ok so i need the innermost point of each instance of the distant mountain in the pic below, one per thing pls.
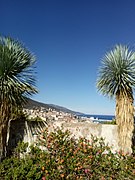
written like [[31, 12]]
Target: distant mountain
[[63, 109], [32, 103]]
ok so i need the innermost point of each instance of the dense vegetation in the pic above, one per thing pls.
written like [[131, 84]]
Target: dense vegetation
[[67, 158]]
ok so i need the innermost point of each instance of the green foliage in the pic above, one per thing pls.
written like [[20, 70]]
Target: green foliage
[[18, 114], [20, 149], [113, 122], [117, 72], [68, 158], [17, 76], [35, 119]]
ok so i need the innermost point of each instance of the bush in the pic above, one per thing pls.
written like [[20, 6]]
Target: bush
[[36, 119], [113, 122], [68, 158]]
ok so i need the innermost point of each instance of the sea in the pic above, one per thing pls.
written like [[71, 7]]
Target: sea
[[99, 118]]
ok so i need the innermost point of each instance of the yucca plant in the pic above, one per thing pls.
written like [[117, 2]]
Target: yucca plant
[[116, 78], [17, 81]]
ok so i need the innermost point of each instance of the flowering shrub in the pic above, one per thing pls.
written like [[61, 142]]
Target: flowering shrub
[[68, 158]]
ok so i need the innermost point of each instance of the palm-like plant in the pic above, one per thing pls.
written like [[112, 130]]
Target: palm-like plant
[[117, 79], [17, 81]]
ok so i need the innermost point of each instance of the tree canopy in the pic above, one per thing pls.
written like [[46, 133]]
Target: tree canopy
[[117, 72]]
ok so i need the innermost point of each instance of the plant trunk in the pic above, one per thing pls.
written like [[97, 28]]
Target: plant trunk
[[125, 121], [3, 139], [4, 119]]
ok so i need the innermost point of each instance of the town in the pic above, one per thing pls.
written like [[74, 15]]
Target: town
[[49, 114]]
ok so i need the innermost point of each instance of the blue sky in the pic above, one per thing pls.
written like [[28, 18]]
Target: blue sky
[[69, 39]]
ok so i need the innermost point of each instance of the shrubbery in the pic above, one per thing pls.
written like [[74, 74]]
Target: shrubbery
[[35, 119], [113, 122], [67, 158]]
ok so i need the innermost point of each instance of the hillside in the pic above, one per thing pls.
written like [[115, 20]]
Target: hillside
[[32, 103]]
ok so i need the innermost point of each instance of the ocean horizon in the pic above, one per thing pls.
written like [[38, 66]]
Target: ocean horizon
[[99, 117]]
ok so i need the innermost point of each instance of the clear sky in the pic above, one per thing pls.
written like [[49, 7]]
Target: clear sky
[[69, 39]]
